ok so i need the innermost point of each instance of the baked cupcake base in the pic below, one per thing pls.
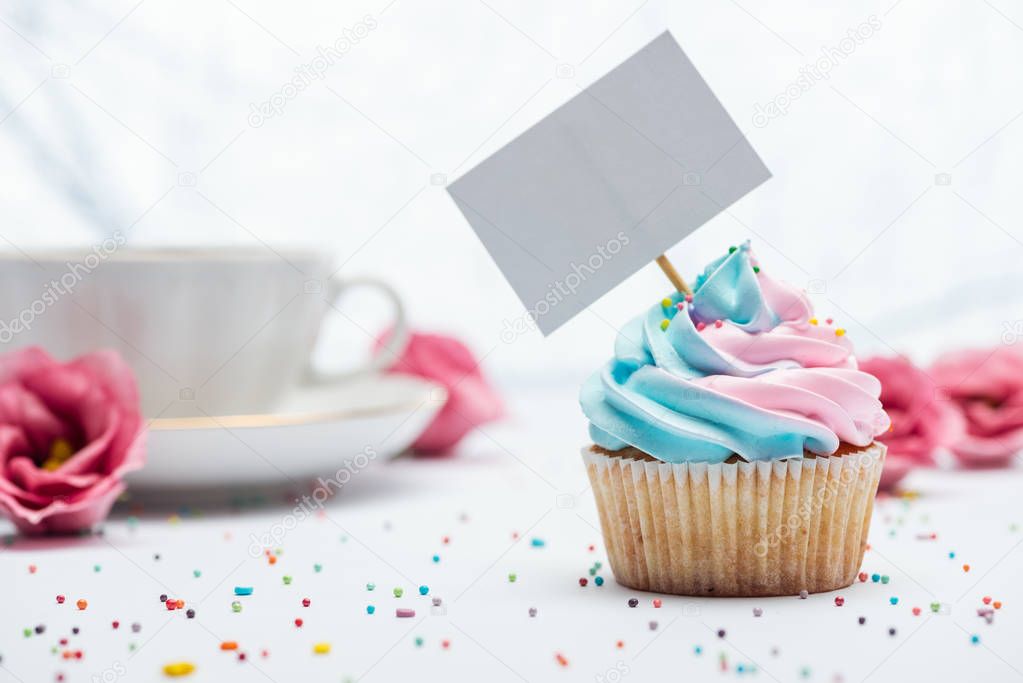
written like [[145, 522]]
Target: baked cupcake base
[[738, 528]]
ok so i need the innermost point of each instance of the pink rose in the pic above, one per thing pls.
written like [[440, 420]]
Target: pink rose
[[987, 385], [68, 433], [922, 418], [471, 400]]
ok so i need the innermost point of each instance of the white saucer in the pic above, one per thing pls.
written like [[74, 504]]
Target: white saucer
[[316, 432]]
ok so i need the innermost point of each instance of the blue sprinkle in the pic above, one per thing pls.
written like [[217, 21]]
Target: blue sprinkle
[[370, 609], [875, 577], [243, 590], [423, 590], [538, 543], [951, 554], [894, 600], [599, 580], [436, 558], [975, 639]]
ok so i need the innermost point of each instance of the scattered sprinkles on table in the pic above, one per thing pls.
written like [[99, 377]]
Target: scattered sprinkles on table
[[872, 590]]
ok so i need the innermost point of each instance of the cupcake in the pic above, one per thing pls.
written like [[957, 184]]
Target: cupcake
[[733, 442]]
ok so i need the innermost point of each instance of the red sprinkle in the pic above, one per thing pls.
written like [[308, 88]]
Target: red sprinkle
[[718, 323], [305, 602], [657, 602], [299, 622], [60, 599], [700, 327], [561, 659], [862, 577], [986, 599], [916, 611], [583, 581], [116, 624], [445, 643], [839, 601]]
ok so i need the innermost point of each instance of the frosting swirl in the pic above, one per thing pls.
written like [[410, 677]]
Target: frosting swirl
[[741, 367]]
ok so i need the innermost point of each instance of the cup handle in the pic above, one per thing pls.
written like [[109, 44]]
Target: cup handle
[[392, 348]]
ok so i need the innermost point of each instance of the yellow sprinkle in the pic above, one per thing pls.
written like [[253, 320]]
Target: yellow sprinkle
[[664, 324], [179, 668], [813, 321], [666, 302], [60, 452], [839, 332], [321, 648]]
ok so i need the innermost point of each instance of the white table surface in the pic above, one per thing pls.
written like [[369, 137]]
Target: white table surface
[[523, 476]]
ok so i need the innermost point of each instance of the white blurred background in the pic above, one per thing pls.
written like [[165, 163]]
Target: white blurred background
[[896, 178]]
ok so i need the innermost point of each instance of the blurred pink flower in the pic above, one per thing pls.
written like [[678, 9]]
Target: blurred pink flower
[[987, 385], [471, 400], [922, 418], [68, 433]]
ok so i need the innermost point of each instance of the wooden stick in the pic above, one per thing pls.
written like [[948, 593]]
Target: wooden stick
[[673, 275]]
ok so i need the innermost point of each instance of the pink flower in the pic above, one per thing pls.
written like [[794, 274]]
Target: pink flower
[[922, 418], [471, 400], [68, 433], [987, 385]]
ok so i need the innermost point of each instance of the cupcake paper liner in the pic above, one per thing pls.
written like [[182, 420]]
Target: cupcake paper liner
[[740, 529]]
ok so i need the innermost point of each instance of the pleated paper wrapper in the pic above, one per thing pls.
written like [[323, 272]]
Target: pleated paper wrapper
[[740, 529]]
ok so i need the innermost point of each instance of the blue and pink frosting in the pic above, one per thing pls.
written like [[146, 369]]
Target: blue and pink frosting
[[740, 367]]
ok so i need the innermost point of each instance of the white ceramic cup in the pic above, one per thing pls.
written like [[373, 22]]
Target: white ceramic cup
[[208, 331]]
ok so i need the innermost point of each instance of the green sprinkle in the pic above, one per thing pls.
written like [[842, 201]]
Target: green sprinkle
[[286, 579], [236, 606], [398, 592], [756, 269], [884, 578], [731, 250], [371, 586], [96, 568], [196, 573], [512, 577], [317, 568], [664, 324], [419, 641]]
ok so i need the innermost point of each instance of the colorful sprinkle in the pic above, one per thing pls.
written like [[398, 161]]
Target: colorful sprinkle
[[321, 648], [178, 669], [243, 590], [404, 612]]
